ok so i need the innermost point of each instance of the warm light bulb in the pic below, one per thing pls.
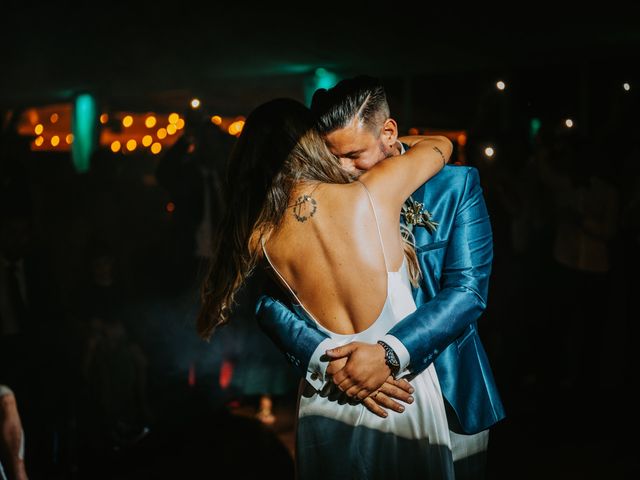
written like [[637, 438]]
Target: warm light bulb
[[500, 85], [127, 121], [150, 121], [489, 152]]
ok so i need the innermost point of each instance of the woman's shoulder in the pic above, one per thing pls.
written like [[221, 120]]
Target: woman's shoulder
[[339, 192]]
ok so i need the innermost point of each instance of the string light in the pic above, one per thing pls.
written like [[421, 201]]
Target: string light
[[176, 123], [156, 148]]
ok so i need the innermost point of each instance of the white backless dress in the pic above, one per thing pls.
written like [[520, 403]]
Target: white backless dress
[[337, 438]]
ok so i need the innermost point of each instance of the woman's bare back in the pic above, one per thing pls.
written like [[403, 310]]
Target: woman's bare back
[[329, 253]]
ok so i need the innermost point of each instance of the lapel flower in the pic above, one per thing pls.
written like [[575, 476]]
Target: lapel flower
[[414, 214]]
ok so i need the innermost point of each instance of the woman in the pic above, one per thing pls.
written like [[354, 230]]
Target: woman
[[294, 211]]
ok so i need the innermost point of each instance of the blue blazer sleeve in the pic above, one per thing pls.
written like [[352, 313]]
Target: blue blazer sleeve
[[293, 336], [462, 290]]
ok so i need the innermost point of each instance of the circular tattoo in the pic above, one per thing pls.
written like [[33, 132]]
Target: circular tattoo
[[304, 208]]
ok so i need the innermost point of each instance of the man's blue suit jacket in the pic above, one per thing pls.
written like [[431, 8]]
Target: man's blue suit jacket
[[456, 264]]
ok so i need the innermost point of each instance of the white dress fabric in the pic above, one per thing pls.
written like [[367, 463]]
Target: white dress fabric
[[339, 439]]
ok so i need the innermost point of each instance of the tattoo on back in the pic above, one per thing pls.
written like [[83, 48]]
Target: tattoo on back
[[304, 208], [444, 160]]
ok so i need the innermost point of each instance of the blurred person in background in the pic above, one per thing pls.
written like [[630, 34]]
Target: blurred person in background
[[12, 466], [586, 213], [190, 172], [31, 327]]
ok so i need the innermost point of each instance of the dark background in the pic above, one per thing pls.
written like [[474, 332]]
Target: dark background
[[440, 67]]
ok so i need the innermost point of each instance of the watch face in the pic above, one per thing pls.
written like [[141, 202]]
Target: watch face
[[392, 361], [390, 356]]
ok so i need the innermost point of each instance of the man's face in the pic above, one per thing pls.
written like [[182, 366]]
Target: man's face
[[358, 148]]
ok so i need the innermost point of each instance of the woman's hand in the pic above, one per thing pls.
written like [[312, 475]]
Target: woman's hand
[[386, 397]]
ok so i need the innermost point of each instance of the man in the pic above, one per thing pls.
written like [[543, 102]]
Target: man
[[453, 241]]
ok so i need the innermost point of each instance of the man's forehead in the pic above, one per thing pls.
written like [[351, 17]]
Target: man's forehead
[[349, 139]]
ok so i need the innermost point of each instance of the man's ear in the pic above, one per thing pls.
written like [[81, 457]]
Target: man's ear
[[389, 133]]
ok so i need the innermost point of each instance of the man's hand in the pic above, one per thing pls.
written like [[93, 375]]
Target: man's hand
[[365, 370], [386, 396], [335, 366]]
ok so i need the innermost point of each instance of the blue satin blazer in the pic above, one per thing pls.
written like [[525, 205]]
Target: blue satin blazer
[[456, 264]]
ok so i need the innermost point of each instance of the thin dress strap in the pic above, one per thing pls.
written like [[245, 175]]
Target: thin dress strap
[[273, 267], [373, 206]]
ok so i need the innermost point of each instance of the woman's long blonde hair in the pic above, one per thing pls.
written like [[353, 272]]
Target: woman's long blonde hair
[[278, 148]]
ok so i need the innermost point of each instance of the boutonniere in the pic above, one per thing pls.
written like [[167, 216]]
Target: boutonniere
[[414, 214]]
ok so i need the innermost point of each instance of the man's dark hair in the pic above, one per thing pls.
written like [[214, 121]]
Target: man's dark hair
[[362, 96]]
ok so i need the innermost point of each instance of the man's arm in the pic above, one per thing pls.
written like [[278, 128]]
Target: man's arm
[[465, 284], [463, 296], [11, 437], [303, 345]]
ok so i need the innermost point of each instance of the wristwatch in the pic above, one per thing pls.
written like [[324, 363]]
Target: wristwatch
[[390, 358]]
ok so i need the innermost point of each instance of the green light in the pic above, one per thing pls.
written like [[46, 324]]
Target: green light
[[534, 127], [321, 78], [84, 124]]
